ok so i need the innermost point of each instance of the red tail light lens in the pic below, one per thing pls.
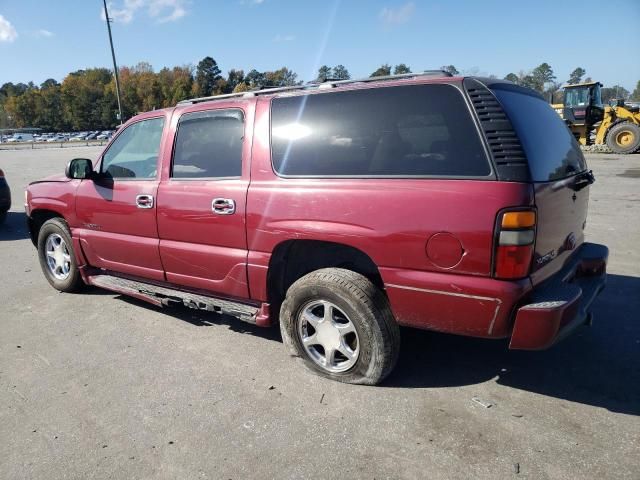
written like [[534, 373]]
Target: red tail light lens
[[1, 173], [513, 261], [514, 244]]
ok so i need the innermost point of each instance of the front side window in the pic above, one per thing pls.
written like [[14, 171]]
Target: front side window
[[596, 95], [134, 153], [209, 145], [416, 130]]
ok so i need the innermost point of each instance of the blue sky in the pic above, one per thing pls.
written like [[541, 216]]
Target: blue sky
[[42, 39]]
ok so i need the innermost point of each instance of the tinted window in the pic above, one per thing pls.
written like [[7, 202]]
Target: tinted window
[[552, 151], [394, 131], [209, 144], [134, 153], [576, 97]]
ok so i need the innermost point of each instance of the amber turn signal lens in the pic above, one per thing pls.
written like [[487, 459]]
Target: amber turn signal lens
[[518, 219]]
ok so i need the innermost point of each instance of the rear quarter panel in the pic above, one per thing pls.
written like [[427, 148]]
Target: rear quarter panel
[[391, 220]]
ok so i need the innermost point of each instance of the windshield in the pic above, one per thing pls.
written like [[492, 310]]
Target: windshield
[[576, 97]]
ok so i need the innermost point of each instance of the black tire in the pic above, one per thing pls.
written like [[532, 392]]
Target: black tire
[[621, 131], [73, 281], [365, 306]]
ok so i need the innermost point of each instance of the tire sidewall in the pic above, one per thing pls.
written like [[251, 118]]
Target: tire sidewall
[[70, 283], [299, 296], [615, 130]]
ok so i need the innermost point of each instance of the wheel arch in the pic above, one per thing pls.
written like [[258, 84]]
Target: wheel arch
[[37, 219], [292, 259]]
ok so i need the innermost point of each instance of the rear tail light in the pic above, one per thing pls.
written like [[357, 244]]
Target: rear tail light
[[1, 173], [515, 236]]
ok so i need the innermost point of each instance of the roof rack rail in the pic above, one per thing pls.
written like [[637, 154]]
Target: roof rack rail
[[329, 83]]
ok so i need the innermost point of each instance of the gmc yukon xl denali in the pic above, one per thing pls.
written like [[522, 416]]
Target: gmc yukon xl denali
[[339, 211]]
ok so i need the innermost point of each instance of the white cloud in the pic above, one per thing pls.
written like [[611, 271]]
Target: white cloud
[[7, 32], [43, 33], [396, 16], [160, 10], [284, 38]]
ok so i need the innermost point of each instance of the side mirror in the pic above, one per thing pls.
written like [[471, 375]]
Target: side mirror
[[79, 168]]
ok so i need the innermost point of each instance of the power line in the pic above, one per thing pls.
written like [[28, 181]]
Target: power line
[[113, 55]]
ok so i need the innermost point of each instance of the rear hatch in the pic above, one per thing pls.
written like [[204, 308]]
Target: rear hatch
[[559, 174]]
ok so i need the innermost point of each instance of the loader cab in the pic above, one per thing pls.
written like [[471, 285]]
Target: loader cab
[[583, 104]]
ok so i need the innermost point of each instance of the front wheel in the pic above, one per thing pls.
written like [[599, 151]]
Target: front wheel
[[341, 326], [624, 138], [56, 255]]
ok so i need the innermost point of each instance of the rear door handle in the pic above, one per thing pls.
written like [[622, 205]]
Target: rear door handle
[[223, 206], [144, 201]]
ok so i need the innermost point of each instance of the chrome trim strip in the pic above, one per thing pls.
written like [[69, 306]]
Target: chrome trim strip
[[441, 292], [453, 294]]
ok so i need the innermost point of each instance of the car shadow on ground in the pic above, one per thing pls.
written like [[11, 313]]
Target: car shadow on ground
[[14, 227], [201, 318], [598, 365]]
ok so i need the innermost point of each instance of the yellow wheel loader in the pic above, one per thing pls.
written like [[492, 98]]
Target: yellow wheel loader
[[592, 123]]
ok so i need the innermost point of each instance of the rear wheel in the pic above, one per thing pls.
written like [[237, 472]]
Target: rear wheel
[[341, 326], [56, 255], [624, 138]]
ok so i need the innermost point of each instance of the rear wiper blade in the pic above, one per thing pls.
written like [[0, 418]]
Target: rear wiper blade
[[583, 180]]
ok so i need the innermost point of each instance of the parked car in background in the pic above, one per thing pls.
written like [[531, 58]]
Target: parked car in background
[[339, 211], [5, 197], [22, 137]]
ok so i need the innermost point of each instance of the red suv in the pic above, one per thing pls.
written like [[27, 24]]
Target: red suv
[[340, 211]]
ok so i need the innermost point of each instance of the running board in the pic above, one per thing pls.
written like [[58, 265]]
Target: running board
[[163, 296]]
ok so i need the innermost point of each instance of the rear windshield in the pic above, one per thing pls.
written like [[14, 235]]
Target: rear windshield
[[552, 151], [417, 130]]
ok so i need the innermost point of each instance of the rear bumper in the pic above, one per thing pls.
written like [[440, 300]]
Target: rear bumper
[[561, 304]]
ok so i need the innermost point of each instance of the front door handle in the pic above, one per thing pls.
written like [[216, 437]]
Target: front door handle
[[144, 201], [223, 206]]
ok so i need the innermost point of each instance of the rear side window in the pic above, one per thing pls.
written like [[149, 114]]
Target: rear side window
[[552, 151], [209, 145], [416, 130]]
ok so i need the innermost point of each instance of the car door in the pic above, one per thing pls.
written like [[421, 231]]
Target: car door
[[117, 210], [201, 203]]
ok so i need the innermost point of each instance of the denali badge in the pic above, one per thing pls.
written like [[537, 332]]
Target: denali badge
[[546, 258]]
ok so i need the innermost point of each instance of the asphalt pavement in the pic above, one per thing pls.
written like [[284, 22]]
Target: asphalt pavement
[[97, 385]]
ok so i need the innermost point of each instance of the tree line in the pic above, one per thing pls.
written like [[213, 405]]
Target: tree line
[[86, 99]]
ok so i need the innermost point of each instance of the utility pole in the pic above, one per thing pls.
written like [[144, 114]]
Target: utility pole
[[113, 55]]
